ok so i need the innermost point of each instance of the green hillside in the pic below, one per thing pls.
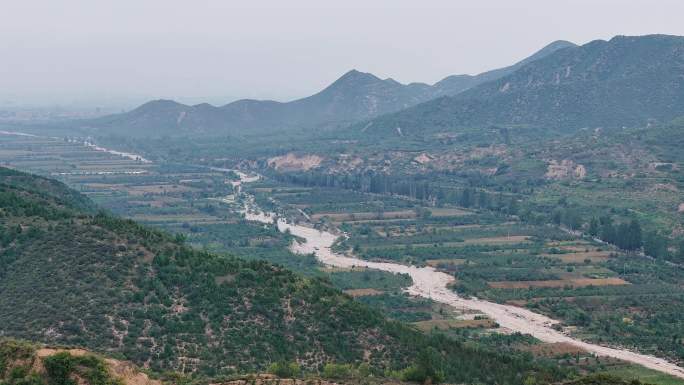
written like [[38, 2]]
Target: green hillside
[[627, 81], [68, 276]]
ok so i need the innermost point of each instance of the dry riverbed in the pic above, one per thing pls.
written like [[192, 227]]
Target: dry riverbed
[[433, 284]]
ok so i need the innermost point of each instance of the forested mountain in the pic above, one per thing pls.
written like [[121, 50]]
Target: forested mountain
[[71, 276], [627, 81], [353, 97], [455, 84]]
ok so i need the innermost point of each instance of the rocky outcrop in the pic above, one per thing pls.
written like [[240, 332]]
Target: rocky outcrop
[[565, 169], [18, 354], [294, 162]]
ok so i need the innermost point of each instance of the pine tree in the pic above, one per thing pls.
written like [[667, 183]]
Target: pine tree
[[655, 245], [608, 233], [594, 227], [572, 219], [634, 238]]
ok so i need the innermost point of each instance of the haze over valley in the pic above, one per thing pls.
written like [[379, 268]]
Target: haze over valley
[[521, 224]]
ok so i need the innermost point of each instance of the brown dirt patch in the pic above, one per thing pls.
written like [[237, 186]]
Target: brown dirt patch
[[341, 217], [451, 262], [293, 162], [423, 158], [517, 302], [574, 282], [593, 256], [129, 373], [565, 169], [448, 212], [553, 349], [363, 292], [454, 324], [46, 352]]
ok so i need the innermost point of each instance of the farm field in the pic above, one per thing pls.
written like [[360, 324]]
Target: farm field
[[194, 201], [599, 292], [201, 204]]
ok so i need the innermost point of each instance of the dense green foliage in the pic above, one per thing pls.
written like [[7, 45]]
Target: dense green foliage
[[61, 367], [111, 284]]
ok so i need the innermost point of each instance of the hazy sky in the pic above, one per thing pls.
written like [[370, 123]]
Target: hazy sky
[[196, 50]]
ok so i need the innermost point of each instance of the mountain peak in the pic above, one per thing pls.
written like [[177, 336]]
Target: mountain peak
[[558, 44], [357, 76], [547, 50], [165, 104]]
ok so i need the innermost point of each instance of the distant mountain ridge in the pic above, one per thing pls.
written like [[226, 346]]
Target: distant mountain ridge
[[353, 97], [626, 81]]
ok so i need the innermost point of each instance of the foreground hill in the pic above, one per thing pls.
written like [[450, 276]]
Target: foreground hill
[[25, 363], [31, 364], [68, 276], [353, 97], [627, 81]]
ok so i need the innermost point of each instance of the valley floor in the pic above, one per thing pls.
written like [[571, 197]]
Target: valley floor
[[432, 284], [194, 201]]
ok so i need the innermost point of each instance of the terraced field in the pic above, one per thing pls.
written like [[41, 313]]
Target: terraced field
[[601, 293], [128, 185]]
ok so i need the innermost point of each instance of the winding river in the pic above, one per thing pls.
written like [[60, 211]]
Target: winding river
[[427, 282], [433, 284]]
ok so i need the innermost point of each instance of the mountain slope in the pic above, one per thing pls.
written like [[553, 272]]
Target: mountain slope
[[111, 284], [353, 97], [71, 277], [455, 84], [627, 81]]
